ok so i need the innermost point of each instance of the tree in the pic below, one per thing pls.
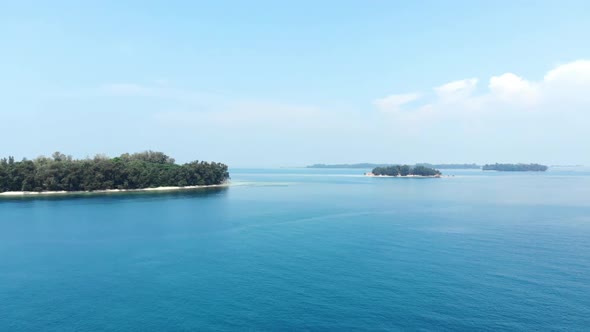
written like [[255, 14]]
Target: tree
[[404, 170]]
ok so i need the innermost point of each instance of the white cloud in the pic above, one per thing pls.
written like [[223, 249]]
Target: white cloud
[[512, 88], [577, 72], [569, 83], [457, 89], [539, 120], [395, 102]]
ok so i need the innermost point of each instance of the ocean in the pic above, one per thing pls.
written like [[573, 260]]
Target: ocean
[[305, 249]]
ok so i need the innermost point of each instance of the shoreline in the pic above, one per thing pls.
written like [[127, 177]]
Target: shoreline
[[369, 174], [108, 191]]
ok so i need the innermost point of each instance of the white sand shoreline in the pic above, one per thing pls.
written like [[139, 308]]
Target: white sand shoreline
[[107, 191]]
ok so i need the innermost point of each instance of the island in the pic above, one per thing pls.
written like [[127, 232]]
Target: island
[[515, 167], [405, 171], [147, 170], [370, 165], [451, 166]]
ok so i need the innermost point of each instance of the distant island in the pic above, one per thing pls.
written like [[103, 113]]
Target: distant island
[[138, 171], [405, 171], [369, 165], [360, 165], [451, 166], [515, 167]]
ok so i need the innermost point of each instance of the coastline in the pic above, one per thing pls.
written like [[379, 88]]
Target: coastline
[[107, 191], [369, 174]]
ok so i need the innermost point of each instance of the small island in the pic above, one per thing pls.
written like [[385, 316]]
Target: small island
[[405, 171], [515, 167], [370, 165], [129, 172]]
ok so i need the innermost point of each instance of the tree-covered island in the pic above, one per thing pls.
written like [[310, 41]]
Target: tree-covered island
[[515, 167], [127, 172], [405, 170], [371, 165]]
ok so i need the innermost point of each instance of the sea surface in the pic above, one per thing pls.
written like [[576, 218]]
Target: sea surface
[[305, 249]]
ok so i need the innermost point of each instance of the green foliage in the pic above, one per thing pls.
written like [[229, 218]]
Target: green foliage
[[369, 165], [425, 171], [515, 167], [405, 170], [136, 171]]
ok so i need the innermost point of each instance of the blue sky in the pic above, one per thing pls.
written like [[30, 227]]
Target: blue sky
[[271, 83]]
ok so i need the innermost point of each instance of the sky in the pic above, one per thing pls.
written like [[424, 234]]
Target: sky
[[292, 83]]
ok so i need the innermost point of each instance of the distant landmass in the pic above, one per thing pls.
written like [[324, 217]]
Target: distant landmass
[[515, 167], [370, 165], [450, 166], [360, 165], [405, 170]]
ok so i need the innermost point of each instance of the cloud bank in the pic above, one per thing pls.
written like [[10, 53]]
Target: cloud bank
[[564, 85]]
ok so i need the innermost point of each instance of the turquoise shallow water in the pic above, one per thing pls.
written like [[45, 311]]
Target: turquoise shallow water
[[304, 249]]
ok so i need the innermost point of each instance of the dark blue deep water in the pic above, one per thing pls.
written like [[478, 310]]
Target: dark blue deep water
[[302, 249]]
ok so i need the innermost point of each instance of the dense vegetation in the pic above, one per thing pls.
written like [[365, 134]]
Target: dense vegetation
[[128, 171], [405, 170], [515, 167], [450, 166], [369, 165]]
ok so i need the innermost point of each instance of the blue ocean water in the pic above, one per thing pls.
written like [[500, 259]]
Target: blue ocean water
[[305, 249]]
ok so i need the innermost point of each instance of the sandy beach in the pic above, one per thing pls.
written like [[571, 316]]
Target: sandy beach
[[107, 191]]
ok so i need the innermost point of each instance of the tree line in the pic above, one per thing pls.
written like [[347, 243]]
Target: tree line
[[359, 165], [370, 165], [405, 170], [129, 171], [515, 167], [450, 166]]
